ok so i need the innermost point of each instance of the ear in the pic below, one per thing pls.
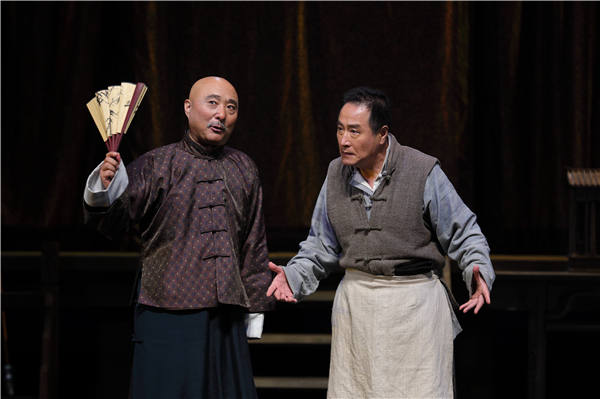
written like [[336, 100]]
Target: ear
[[187, 107], [384, 130]]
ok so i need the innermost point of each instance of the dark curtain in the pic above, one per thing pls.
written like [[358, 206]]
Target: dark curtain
[[504, 94], [535, 112]]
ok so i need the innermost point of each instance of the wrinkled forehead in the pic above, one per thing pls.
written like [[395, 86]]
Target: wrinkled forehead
[[213, 87]]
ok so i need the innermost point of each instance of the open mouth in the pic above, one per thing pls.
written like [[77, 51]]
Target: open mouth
[[216, 127]]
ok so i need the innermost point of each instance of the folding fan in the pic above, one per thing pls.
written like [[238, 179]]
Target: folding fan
[[113, 110]]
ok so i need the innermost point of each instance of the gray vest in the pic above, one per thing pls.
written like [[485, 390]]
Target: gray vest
[[396, 232]]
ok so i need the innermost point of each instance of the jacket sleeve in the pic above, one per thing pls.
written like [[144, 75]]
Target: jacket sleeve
[[116, 209], [254, 258]]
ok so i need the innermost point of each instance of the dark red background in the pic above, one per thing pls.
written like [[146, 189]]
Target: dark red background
[[504, 94]]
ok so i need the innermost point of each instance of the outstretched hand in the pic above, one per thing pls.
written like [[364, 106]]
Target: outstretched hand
[[109, 167], [481, 294], [279, 287]]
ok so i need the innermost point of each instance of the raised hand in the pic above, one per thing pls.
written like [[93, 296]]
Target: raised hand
[[279, 287], [481, 294], [109, 167]]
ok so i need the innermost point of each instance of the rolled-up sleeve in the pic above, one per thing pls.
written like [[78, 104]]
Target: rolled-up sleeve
[[96, 196]]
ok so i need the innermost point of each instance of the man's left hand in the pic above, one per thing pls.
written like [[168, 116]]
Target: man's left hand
[[481, 294], [280, 287]]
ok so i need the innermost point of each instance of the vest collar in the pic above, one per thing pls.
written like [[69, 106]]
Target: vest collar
[[392, 159]]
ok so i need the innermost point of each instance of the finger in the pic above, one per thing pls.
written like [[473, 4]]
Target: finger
[[275, 268], [482, 287], [289, 297], [469, 302], [285, 292], [479, 304], [271, 289], [486, 294], [108, 174], [109, 164], [114, 155], [113, 158], [468, 306]]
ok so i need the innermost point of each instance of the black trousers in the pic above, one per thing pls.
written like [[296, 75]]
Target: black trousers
[[191, 354]]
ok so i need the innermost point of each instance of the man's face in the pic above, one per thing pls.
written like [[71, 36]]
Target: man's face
[[212, 110], [358, 145]]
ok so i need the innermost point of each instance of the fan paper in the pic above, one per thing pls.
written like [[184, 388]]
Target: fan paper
[[113, 110]]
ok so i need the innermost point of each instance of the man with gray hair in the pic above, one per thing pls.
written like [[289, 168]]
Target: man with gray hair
[[387, 215]]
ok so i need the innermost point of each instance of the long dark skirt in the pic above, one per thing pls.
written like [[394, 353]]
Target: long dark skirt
[[191, 354]]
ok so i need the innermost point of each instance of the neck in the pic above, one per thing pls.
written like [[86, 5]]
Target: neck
[[371, 171], [370, 175], [209, 147], [204, 150]]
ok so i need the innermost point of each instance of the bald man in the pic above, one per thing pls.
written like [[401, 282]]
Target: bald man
[[197, 207]]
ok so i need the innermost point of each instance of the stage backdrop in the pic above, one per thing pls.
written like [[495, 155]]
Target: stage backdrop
[[506, 95]]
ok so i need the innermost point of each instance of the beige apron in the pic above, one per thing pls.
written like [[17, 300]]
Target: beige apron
[[392, 338]]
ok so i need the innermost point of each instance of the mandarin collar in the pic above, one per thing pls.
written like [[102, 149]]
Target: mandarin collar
[[199, 150]]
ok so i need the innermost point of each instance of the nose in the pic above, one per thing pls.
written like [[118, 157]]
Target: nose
[[344, 140], [220, 112]]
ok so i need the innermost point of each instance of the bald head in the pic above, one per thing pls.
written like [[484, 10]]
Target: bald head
[[211, 109], [208, 81]]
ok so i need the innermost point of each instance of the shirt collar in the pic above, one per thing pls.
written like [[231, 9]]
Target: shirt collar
[[360, 182], [199, 150]]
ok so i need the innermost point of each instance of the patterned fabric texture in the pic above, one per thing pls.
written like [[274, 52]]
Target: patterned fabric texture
[[199, 214]]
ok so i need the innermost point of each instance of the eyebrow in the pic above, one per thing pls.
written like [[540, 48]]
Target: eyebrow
[[218, 97], [355, 125]]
